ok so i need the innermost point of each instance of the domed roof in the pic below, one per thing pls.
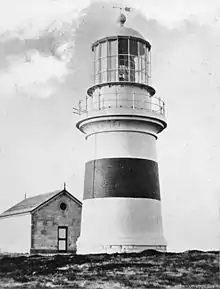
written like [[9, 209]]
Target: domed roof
[[123, 31], [120, 30]]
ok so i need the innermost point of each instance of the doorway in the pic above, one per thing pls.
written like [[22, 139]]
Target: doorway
[[62, 238]]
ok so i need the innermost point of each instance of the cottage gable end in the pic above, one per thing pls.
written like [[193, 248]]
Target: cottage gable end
[[61, 211], [58, 195]]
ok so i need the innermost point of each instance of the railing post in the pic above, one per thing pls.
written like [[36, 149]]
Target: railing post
[[160, 106], [133, 97], [99, 102], [79, 107]]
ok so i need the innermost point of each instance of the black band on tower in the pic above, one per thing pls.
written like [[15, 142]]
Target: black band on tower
[[121, 177]]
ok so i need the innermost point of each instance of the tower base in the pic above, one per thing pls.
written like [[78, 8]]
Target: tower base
[[111, 249], [120, 225]]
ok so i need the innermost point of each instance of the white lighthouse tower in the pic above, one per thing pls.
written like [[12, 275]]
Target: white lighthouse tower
[[121, 118]]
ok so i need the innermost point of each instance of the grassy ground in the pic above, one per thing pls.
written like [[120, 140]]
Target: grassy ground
[[149, 269]]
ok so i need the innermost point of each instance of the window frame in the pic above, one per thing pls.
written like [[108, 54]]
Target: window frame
[[62, 238]]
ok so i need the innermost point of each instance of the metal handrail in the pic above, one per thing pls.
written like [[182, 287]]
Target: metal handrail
[[95, 103]]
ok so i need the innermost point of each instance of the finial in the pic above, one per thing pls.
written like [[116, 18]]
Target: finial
[[64, 186], [122, 19]]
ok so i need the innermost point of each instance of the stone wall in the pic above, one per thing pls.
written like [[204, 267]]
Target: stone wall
[[47, 219]]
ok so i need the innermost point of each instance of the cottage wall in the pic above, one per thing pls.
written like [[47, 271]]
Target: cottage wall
[[45, 223], [15, 234]]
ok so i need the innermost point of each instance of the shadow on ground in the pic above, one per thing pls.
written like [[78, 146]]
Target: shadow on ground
[[149, 269]]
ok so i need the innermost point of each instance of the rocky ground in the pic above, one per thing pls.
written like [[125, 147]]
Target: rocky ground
[[149, 269]]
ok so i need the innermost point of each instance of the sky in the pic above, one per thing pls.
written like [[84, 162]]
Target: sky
[[45, 68]]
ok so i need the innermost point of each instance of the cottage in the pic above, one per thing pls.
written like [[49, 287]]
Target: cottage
[[46, 223]]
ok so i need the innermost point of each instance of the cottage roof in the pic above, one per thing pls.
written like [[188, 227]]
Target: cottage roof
[[32, 203]]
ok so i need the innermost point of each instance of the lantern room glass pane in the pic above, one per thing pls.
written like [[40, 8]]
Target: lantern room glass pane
[[133, 47], [143, 76], [112, 47], [141, 48], [132, 75], [132, 62], [138, 64], [137, 76], [123, 68], [123, 60], [97, 78], [143, 67], [103, 49], [122, 46], [96, 52], [104, 76], [97, 66], [103, 64], [113, 62], [112, 75]]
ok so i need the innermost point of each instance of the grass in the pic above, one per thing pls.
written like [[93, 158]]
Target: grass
[[149, 269]]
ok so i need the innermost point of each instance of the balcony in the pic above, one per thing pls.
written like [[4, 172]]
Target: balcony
[[113, 103]]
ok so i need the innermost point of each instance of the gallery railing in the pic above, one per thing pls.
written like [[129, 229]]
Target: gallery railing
[[104, 102]]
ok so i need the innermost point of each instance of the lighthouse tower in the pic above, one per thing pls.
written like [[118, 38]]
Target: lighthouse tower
[[121, 118]]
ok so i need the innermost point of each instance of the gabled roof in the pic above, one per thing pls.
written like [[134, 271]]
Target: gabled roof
[[30, 204]]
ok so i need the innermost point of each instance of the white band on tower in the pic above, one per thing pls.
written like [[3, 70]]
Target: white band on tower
[[121, 145]]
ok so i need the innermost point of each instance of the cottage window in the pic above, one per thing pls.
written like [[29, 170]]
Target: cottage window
[[63, 206]]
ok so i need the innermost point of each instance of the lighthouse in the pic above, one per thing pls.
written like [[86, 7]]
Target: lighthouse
[[121, 118]]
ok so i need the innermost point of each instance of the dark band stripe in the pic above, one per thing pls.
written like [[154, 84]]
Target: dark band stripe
[[121, 177]]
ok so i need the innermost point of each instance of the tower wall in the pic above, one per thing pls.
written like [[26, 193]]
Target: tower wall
[[121, 202], [121, 118], [122, 144], [120, 225]]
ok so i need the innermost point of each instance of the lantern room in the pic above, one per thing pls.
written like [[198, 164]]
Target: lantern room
[[121, 58]]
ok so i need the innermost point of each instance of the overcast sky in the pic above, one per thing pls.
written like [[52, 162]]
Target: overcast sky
[[45, 67]]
